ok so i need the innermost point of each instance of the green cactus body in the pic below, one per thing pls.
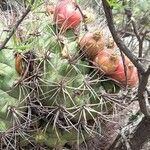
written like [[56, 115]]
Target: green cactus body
[[55, 137], [57, 99], [50, 138], [10, 96], [4, 125]]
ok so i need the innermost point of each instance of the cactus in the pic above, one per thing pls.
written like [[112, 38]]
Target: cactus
[[57, 98]]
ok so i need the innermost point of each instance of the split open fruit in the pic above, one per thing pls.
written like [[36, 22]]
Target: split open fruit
[[92, 43], [67, 15], [107, 60], [132, 74]]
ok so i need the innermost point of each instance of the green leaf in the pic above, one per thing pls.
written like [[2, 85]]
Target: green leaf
[[114, 3]]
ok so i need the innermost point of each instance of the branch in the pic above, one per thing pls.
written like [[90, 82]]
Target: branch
[[128, 33], [16, 26], [125, 68], [141, 93], [144, 74], [138, 38], [119, 42], [135, 29], [83, 16]]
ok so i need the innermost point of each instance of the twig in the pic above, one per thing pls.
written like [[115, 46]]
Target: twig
[[16, 26], [118, 41], [125, 68], [137, 34], [141, 43], [128, 33], [138, 38], [83, 16], [141, 91]]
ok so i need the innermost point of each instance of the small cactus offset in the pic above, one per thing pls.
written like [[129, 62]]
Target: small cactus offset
[[54, 82]]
